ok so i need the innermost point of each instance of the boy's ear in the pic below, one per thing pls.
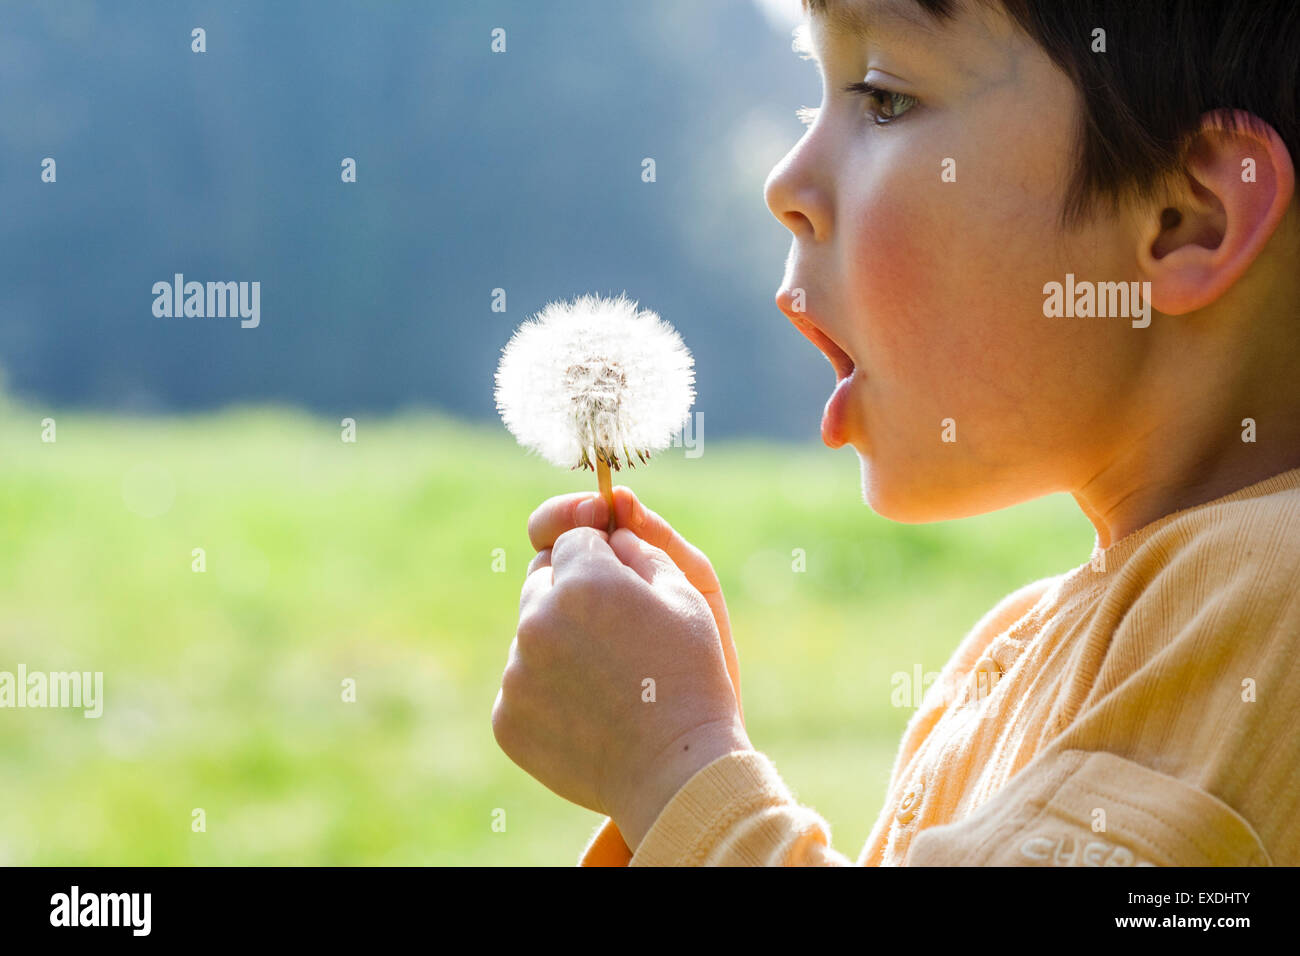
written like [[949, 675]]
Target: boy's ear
[[1238, 185]]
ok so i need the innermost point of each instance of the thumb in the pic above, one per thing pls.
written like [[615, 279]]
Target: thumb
[[641, 556]]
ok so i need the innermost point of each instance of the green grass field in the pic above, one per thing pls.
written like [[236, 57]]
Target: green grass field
[[373, 561]]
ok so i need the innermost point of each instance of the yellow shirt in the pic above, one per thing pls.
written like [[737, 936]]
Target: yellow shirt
[[1140, 710]]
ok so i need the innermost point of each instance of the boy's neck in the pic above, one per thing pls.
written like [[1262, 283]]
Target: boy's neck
[[1192, 453], [1152, 500], [1217, 409]]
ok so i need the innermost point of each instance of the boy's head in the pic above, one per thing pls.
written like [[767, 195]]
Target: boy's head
[[969, 153]]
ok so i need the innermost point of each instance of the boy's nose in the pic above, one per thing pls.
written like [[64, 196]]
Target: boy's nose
[[797, 197]]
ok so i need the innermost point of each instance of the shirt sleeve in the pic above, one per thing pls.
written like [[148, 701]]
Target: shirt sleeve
[[737, 811]]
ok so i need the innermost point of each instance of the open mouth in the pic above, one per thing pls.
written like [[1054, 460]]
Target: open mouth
[[839, 359]]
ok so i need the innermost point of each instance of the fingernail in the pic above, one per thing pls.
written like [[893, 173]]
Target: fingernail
[[586, 512]]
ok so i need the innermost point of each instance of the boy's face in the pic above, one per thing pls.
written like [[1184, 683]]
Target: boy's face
[[935, 288]]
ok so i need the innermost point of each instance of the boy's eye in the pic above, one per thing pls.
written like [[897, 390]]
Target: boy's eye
[[889, 105]]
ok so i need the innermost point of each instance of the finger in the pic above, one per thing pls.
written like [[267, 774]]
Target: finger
[[556, 515], [649, 527], [653, 564], [542, 559], [580, 552], [719, 608], [642, 556], [535, 586]]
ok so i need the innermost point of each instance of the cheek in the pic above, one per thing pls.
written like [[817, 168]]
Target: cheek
[[913, 287], [946, 291], [945, 285]]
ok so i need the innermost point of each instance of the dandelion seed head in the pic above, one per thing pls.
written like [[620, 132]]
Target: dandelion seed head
[[595, 379]]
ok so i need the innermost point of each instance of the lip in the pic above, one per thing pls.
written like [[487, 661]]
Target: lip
[[839, 358]]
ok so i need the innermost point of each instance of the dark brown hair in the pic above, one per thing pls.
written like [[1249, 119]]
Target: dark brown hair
[[1167, 62]]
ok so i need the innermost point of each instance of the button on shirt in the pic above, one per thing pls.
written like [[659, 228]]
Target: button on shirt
[[911, 800]]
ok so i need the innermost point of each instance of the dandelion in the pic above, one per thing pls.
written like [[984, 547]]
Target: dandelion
[[593, 383]]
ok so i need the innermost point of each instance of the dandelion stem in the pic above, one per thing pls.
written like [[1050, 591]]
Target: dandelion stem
[[606, 491]]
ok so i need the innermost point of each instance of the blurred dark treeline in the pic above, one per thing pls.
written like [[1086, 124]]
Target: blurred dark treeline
[[476, 170]]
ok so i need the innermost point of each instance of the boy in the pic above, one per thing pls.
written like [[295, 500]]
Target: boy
[[965, 218]]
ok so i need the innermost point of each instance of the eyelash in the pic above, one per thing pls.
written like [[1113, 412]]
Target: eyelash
[[863, 88], [808, 114]]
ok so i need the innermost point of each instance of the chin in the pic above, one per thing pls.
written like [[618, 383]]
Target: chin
[[914, 492], [901, 494], [890, 494]]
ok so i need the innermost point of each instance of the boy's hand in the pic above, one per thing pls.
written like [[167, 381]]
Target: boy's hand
[[598, 615]]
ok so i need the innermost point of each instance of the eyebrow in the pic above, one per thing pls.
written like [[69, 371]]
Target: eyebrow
[[860, 20]]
